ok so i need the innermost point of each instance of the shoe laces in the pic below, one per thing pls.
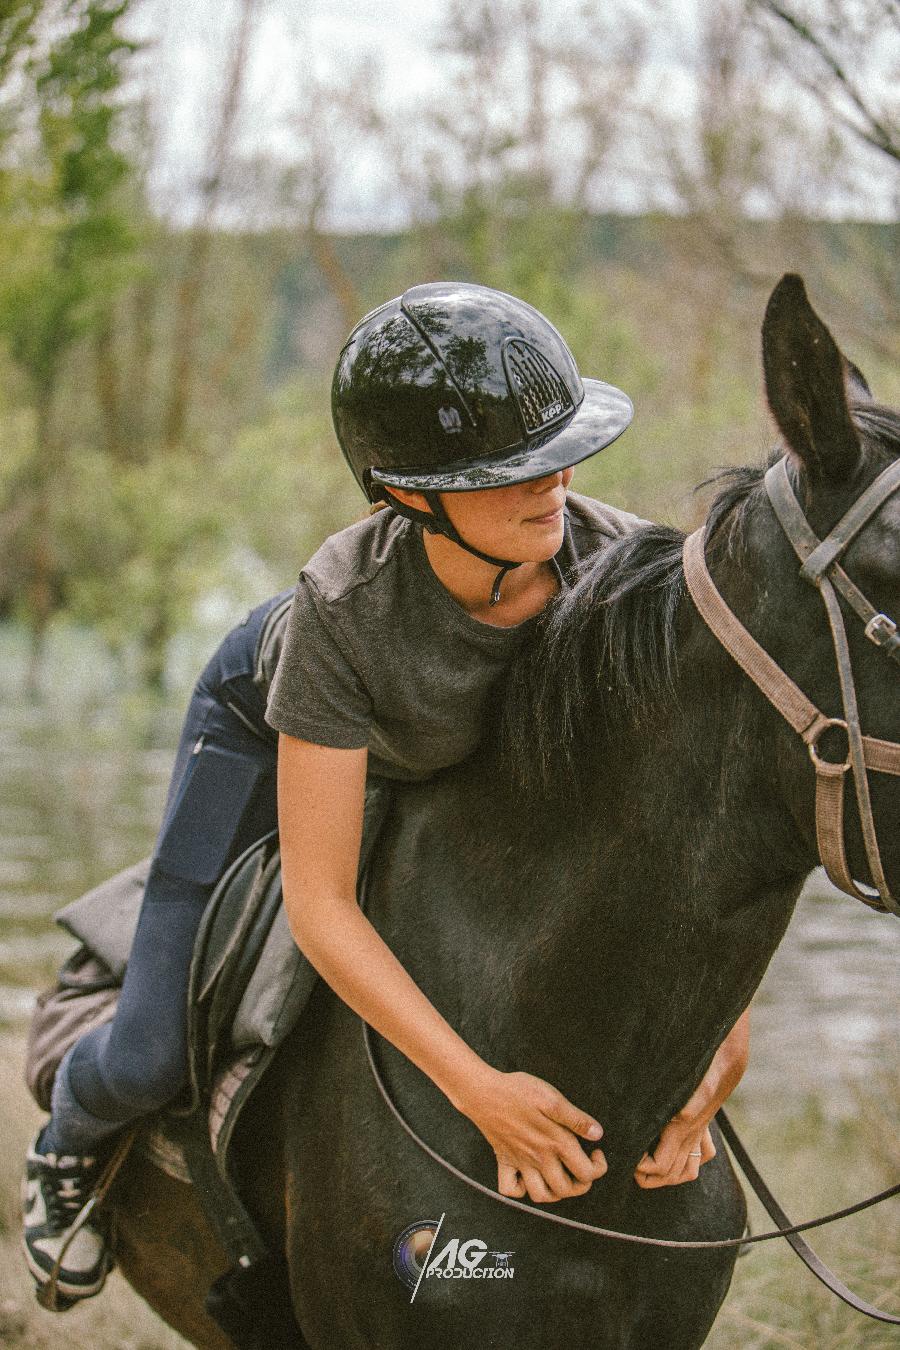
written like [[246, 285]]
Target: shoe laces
[[68, 1191]]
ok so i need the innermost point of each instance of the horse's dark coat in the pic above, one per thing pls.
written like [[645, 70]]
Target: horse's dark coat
[[604, 936]]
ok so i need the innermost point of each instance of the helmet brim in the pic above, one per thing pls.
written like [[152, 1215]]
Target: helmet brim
[[600, 419]]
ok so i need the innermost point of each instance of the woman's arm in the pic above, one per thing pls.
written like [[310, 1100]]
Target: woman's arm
[[675, 1159], [529, 1124]]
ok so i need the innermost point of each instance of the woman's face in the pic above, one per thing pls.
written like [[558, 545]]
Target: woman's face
[[523, 523]]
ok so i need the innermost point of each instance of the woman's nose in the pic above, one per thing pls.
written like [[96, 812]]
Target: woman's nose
[[549, 482], [553, 480]]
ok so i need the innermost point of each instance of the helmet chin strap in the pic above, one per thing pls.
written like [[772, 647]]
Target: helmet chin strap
[[438, 522]]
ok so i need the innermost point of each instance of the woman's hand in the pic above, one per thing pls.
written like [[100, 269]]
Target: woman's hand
[[534, 1131], [686, 1144]]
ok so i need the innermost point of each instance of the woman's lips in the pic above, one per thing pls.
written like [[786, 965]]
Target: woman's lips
[[549, 518]]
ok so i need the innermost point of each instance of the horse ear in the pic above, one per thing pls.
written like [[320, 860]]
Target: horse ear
[[857, 384], [806, 383]]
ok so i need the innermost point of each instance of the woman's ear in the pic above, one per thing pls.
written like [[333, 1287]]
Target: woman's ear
[[414, 499], [806, 384]]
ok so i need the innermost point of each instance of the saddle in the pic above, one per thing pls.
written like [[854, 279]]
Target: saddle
[[249, 984]]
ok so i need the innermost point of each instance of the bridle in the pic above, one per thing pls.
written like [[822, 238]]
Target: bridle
[[820, 568]]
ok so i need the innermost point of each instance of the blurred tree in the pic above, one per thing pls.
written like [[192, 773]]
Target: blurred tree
[[193, 274], [147, 458], [514, 147], [847, 56], [733, 162], [714, 155], [330, 124], [74, 242]]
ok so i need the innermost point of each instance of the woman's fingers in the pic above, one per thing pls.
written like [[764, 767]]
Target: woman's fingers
[[536, 1186], [679, 1161], [584, 1169], [558, 1182], [533, 1131], [566, 1168], [509, 1182], [672, 1148], [564, 1113]]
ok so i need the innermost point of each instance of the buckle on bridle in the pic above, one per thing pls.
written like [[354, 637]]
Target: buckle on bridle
[[880, 629]]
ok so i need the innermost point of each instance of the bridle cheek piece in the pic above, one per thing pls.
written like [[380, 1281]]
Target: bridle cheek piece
[[820, 568]]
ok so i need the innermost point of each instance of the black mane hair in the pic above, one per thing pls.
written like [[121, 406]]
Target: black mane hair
[[614, 631]]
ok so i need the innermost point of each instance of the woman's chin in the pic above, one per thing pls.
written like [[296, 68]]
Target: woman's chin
[[547, 542]]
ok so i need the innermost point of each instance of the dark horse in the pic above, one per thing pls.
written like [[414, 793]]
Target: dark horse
[[594, 899]]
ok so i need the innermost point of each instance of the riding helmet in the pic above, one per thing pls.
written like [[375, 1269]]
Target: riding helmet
[[452, 387]]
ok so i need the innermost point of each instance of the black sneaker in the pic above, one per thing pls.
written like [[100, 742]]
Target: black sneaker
[[54, 1192]]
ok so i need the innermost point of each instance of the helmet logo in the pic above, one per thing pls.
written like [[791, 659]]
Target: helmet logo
[[450, 419], [539, 389]]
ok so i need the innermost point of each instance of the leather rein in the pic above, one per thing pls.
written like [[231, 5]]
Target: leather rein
[[821, 568]]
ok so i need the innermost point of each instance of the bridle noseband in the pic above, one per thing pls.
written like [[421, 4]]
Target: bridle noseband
[[821, 568]]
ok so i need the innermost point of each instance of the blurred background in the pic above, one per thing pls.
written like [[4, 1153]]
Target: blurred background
[[197, 202]]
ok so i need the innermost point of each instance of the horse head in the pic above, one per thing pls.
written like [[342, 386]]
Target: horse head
[[628, 703], [838, 442]]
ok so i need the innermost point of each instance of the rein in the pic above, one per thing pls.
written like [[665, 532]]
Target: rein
[[821, 569], [770, 1204]]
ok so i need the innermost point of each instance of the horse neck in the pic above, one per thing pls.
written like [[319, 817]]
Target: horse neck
[[655, 914]]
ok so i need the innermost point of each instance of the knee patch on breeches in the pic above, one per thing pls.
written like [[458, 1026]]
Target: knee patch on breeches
[[219, 795]]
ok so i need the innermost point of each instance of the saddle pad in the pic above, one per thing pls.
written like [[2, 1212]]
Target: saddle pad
[[105, 918]]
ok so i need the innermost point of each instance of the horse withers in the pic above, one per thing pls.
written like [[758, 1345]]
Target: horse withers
[[593, 898]]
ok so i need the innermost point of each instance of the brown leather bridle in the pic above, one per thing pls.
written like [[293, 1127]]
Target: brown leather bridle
[[821, 569]]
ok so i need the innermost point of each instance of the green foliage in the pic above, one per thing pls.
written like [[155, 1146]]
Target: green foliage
[[135, 541], [56, 288], [106, 313], [284, 481]]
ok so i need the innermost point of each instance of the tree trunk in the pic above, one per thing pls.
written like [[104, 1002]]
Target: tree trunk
[[106, 371], [154, 647], [40, 568], [337, 277], [190, 290]]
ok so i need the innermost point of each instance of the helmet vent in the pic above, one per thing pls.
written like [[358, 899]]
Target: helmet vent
[[541, 394]]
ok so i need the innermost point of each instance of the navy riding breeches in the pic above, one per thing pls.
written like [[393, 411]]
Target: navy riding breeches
[[221, 799]]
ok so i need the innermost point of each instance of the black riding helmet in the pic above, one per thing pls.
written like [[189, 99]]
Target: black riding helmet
[[453, 387]]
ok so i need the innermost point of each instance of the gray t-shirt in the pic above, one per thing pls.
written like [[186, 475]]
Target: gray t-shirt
[[377, 652]]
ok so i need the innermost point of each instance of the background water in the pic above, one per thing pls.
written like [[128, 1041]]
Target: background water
[[83, 776]]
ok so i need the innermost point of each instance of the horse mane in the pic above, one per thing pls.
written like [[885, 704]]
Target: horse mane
[[604, 652]]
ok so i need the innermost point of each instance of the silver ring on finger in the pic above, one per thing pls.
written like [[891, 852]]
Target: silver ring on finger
[[697, 1153]]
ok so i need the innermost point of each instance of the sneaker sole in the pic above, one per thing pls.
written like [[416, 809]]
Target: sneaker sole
[[73, 1291]]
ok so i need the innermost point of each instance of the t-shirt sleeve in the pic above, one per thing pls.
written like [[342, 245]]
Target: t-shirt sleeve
[[316, 694]]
